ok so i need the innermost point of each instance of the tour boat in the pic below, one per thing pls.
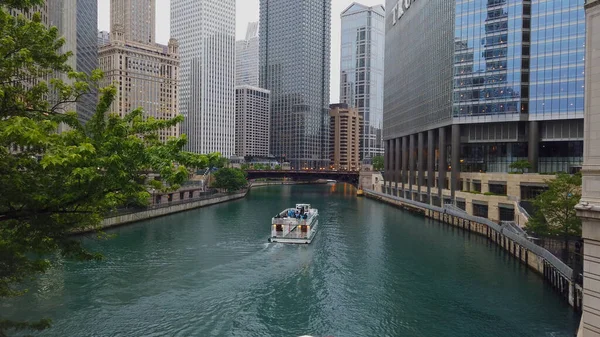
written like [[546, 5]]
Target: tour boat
[[360, 192], [295, 225]]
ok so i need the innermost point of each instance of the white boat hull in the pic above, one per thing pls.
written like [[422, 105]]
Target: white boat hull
[[300, 241]]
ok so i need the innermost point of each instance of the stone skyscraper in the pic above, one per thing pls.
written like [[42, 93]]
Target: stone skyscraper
[[144, 72], [136, 18], [295, 41], [205, 30], [246, 59], [361, 71]]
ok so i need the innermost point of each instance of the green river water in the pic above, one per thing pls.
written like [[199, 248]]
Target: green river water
[[372, 270]]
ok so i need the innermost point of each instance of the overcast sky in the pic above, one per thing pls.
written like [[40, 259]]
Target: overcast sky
[[247, 11]]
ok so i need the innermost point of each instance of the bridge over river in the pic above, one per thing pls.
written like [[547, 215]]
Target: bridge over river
[[350, 177]]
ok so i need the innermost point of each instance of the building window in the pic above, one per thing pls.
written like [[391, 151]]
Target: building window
[[477, 186], [499, 189], [480, 210], [506, 213]]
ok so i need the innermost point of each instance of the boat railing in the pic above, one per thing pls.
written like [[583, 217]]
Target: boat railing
[[290, 221]]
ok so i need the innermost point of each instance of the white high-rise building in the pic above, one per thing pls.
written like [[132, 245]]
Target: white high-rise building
[[253, 121], [205, 30], [246, 60]]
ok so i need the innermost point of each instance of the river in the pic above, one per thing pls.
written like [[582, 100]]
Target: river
[[373, 270]]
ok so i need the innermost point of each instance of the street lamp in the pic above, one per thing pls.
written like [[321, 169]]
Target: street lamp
[[153, 199]]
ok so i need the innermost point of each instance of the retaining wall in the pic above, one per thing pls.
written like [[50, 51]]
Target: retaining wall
[[554, 271], [158, 212]]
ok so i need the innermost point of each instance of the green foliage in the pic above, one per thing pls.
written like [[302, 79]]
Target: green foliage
[[230, 179], [556, 213], [54, 183], [520, 166], [215, 160], [277, 167], [489, 193], [378, 163]]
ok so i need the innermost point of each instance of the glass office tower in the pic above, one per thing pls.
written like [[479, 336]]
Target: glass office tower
[[246, 58], [472, 86], [361, 71], [87, 52], [295, 57]]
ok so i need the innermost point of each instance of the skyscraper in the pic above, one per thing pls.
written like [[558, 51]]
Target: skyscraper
[[205, 30], [295, 40], [136, 18], [246, 59], [87, 50], [361, 71], [474, 86], [77, 22], [144, 72], [344, 133], [253, 121], [103, 38]]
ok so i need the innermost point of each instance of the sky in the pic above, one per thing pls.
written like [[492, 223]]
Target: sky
[[247, 11]]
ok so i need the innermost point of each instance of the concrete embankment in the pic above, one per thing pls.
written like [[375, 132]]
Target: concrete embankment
[[128, 218], [124, 218], [554, 271]]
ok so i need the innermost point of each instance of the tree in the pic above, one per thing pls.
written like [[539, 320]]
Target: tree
[[378, 163], [520, 166], [215, 160], [556, 208], [230, 179], [54, 183]]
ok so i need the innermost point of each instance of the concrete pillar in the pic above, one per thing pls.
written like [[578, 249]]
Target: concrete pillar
[[589, 208], [534, 145], [412, 161], [398, 161], [455, 174], [421, 160], [386, 161], [442, 162], [404, 164], [393, 168], [430, 162]]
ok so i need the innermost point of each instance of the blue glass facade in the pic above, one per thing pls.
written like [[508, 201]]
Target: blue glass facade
[[490, 57], [557, 59], [475, 85]]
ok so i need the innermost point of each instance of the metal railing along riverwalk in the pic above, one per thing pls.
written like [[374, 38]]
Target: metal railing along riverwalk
[[131, 210], [565, 270]]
